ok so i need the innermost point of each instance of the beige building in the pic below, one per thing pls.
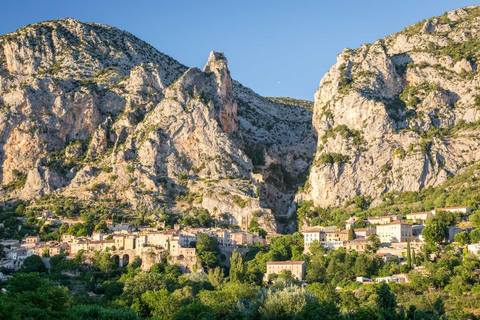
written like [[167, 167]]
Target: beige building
[[419, 216], [385, 219], [397, 231], [297, 268], [363, 233], [454, 209], [311, 235], [359, 245], [335, 236]]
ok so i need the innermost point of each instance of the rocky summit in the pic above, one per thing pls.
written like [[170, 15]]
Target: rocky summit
[[93, 113], [401, 114]]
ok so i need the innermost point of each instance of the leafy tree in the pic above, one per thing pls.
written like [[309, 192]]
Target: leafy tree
[[162, 304], [475, 235], [208, 251], [435, 231], [351, 234], [375, 241], [33, 264], [194, 311], [386, 301], [107, 263], [237, 267], [463, 238], [216, 277], [96, 312], [101, 227]]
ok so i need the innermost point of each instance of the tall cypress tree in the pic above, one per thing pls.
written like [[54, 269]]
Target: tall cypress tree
[[409, 256]]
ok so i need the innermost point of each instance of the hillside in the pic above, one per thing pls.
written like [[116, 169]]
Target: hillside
[[401, 114], [93, 113]]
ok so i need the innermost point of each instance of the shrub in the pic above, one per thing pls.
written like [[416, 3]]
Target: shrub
[[106, 169], [130, 169], [239, 201], [183, 176], [332, 158]]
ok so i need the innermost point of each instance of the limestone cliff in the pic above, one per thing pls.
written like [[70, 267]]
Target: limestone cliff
[[400, 114], [92, 112]]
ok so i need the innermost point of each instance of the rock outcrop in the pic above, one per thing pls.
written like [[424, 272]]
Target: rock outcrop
[[92, 112], [401, 114]]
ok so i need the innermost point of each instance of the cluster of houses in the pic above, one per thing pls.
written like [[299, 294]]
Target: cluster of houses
[[393, 233], [128, 242], [179, 243], [390, 229]]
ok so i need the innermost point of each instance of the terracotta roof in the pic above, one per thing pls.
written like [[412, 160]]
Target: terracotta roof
[[426, 212], [452, 208], [357, 240], [285, 262], [394, 222]]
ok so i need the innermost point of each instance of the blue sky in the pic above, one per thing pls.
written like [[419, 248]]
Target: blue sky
[[277, 48]]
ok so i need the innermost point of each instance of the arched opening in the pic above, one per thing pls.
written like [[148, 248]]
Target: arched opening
[[125, 260], [116, 258]]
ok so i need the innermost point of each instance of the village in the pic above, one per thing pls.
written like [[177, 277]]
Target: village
[[151, 244]]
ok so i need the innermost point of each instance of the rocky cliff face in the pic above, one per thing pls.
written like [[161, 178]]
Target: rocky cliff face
[[401, 114], [92, 112]]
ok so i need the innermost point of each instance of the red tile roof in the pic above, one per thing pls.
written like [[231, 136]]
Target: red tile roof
[[285, 262]]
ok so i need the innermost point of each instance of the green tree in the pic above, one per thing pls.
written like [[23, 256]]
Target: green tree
[[96, 312], [463, 238], [33, 264], [435, 231], [162, 304], [208, 251], [475, 219], [101, 227], [107, 263], [386, 301], [409, 255], [351, 234], [375, 241], [475, 235], [237, 267]]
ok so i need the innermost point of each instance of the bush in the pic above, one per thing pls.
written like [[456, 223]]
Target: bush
[[239, 201], [130, 169], [332, 158], [106, 169]]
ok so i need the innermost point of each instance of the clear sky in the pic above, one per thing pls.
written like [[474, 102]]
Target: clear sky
[[277, 48]]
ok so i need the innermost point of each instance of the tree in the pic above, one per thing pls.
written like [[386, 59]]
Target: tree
[[375, 241], [101, 227], [475, 236], [386, 300], [409, 255], [96, 312], [463, 238], [216, 277], [351, 234], [237, 267], [163, 305], [33, 264], [435, 231], [107, 263], [208, 251], [194, 311], [475, 219]]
